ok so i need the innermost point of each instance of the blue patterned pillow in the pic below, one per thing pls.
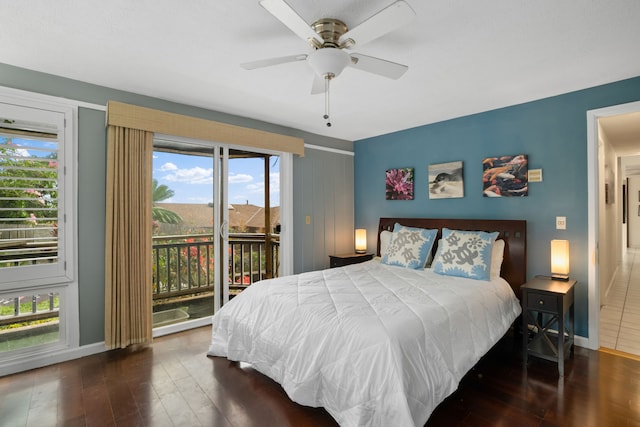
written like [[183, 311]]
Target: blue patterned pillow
[[465, 254], [409, 247]]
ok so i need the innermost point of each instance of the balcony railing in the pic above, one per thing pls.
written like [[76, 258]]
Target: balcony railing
[[184, 264], [28, 308]]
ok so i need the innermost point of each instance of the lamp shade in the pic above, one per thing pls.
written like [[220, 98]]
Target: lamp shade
[[361, 240], [560, 259], [328, 61]]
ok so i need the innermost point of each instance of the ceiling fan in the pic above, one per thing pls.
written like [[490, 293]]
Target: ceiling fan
[[330, 38]]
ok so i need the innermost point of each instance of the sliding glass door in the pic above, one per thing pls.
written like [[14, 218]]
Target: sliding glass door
[[216, 226]]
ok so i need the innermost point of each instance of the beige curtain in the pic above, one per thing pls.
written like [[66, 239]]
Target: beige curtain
[[128, 293]]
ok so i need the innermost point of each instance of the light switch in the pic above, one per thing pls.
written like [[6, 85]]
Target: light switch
[[307, 219], [561, 223], [534, 175]]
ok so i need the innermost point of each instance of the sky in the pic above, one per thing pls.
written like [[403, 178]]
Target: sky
[[31, 147], [191, 178]]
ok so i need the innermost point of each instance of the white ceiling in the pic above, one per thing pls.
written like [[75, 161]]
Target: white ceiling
[[464, 57]]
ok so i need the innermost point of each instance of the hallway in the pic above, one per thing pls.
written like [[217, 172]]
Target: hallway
[[620, 310]]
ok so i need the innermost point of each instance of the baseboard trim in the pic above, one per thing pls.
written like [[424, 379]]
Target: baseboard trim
[[50, 358], [581, 341], [619, 353]]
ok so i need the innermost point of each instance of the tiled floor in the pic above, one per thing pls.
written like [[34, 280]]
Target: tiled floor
[[620, 311]]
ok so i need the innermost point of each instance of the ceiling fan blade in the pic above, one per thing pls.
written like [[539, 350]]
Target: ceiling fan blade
[[388, 19], [377, 66], [273, 61], [289, 17], [318, 85]]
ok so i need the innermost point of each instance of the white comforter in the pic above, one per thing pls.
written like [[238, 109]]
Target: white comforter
[[373, 344]]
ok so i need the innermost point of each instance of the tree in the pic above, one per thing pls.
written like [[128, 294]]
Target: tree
[[159, 214], [29, 184]]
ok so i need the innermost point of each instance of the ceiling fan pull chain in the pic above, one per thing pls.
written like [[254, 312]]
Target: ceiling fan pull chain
[[327, 79]]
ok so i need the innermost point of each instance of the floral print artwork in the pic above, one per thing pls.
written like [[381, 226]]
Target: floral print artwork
[[399, 183]]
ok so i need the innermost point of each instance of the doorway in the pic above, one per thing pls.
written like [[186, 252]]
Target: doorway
[[216, 227], [600, 242]]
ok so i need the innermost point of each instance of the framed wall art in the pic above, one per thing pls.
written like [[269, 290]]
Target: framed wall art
[[505, 176], [399, 184], [446, 180]]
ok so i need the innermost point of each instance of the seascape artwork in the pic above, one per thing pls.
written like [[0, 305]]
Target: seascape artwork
[[505, 176], [399, 184], [446, 180]]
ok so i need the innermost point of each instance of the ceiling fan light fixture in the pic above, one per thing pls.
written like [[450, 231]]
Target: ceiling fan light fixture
[[328, 61]]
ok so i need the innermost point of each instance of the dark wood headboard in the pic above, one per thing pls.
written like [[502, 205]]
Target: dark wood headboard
[[513, 232]]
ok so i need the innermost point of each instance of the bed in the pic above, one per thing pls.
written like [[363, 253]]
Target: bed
[[375, 343]]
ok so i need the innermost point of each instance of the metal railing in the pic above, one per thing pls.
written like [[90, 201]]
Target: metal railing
[[184, 264], [28, 308]]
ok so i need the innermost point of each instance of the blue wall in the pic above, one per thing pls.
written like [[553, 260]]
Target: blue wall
[[551, 131]]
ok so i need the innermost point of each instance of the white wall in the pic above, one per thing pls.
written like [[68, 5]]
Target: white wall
[[610, 215], [630, 169], [634, 207]]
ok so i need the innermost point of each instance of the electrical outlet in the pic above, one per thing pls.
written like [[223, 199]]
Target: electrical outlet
[[561, 223]]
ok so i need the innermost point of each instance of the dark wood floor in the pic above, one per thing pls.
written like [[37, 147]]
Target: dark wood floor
[[174, 383]]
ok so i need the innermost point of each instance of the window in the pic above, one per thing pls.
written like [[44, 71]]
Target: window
[[35, 242], [38, 295]]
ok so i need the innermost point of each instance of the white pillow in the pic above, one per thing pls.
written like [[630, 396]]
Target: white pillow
[[497, 254], [385, 239]]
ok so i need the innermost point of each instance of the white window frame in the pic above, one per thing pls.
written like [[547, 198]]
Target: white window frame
[[60, 278]]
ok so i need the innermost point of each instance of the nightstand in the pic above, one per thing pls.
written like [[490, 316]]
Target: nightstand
[[547, 319], [347, 259]]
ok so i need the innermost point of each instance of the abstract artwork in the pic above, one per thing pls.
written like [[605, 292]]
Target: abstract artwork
[[446, 181], [505, 176], [399, 183]]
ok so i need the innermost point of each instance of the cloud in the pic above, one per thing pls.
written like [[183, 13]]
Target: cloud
[[17, 151], [198, 175], [274, 178], [195, 175], [274, 184], [240, 178], [168, 167]]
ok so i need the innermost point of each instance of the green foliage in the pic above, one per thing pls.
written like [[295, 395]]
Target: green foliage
[[28, 184], [26, 306], [187, 265], [159, 214]]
